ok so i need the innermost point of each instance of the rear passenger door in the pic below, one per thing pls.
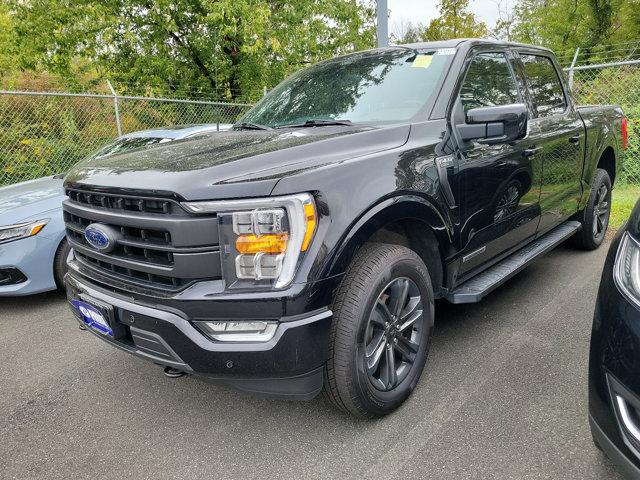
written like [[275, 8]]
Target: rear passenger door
[[558, 135]]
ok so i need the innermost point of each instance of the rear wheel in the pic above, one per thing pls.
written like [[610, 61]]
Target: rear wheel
[[381, 331], [60, 263], [595, 216]]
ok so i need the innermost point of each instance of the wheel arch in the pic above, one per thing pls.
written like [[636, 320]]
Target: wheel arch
[[410, 221], [607, 161]]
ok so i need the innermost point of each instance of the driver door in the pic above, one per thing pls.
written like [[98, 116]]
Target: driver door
[[500, 183]]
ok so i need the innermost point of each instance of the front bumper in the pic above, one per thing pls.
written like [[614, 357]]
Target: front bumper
[[289, 365], [33, 257], [621, 460]]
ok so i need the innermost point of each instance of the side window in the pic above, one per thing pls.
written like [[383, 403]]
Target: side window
[[544, 84], [488, 83]]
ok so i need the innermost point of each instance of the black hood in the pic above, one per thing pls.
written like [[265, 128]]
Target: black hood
[[236, 163]]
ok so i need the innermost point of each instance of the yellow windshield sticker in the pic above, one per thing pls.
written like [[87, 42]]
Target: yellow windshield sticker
[[422, 61]]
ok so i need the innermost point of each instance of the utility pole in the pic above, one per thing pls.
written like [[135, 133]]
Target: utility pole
[[115, 108], [382, 24]]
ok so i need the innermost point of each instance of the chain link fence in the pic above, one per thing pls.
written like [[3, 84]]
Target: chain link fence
[[613, 83], [46, 133]]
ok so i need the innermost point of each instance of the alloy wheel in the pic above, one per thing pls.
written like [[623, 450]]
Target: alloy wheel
[[394, 330], [601, 211]]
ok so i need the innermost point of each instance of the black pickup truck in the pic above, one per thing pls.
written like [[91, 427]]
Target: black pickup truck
[[303, 250]]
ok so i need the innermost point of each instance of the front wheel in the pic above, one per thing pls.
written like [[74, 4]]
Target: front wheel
[[381, 331], [595, 216], [60, 263]]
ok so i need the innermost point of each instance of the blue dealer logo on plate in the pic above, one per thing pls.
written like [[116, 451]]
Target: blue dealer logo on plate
[[92, 317]]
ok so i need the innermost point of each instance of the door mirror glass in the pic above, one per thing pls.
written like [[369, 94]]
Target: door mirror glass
[[495, 124]]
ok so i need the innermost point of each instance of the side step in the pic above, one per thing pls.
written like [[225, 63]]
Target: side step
[[474, 289]]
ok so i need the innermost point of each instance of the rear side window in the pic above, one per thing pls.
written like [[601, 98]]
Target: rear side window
[[488, 83], [544, 84]]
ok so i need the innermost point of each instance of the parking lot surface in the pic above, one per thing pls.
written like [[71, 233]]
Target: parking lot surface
[[503, 396]]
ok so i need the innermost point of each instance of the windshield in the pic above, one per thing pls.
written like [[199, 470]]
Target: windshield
[[125, 145], [368, 87]]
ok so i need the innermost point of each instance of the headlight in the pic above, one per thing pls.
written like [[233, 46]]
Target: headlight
[[21, 230], [261, 240], [627, 268]]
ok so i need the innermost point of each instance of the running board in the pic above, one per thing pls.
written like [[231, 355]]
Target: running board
[[474, 289]]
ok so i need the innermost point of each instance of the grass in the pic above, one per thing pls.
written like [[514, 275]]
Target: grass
[[624, 199]]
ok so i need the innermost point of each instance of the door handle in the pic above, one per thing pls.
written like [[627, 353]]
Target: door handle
[[575, 139], [530, 152]]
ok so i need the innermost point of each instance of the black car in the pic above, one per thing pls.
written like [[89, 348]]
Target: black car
[[303, 250], [614, 364]]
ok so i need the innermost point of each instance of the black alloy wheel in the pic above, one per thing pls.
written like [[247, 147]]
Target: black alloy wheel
[[381, 331], [394, 334]]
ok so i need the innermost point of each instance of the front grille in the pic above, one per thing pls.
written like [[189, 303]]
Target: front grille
[[136, 276], [123, 202], [158, 245], [138, 244]]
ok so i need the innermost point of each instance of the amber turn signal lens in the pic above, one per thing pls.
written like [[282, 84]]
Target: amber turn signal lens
[[310, 219], [250, 244], [37, 228]]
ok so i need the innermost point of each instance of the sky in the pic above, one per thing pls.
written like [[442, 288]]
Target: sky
[[422, 11]]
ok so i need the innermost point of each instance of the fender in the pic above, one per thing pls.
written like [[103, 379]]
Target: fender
[[383, 213], [600, 139]]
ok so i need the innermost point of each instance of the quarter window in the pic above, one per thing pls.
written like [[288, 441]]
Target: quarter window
[[489, 82], [544, 84]]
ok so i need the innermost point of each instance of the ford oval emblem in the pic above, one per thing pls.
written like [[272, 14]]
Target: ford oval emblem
[[100, 237]]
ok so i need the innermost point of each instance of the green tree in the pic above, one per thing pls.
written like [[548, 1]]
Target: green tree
[[230, 48], [455, 21], [407, 32], [7, 40], [564, 25]]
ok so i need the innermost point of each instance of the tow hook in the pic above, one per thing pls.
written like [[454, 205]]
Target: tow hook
[[173, 372]]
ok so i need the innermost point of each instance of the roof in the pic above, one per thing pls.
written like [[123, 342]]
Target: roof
[[178, 132], [456, 42]]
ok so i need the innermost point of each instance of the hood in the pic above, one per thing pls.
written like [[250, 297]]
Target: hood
[[27, 200], [234, 164]]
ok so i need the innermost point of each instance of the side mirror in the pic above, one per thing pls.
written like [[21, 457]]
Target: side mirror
[[490, 125]]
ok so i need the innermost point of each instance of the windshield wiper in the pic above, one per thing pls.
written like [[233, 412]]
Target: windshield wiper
[[316, 123], [250, 126]]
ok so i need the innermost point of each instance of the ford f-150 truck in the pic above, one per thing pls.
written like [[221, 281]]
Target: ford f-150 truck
[[303, 250]]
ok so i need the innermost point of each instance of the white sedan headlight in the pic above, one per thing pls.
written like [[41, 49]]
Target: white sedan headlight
[[21, 230], [261, 239], [627, 268]]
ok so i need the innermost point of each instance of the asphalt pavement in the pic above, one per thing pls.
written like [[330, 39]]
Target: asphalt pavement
[[503, 396]]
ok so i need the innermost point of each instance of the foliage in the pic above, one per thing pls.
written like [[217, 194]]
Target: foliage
[[564, 25], [623, 201], [407, 32], [621, 86], [226, 48], [455, 21], [7, 40], [46, 135]]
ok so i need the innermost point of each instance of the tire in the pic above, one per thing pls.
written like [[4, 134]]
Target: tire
[[348, 382], [60, 263], [593, 230]]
